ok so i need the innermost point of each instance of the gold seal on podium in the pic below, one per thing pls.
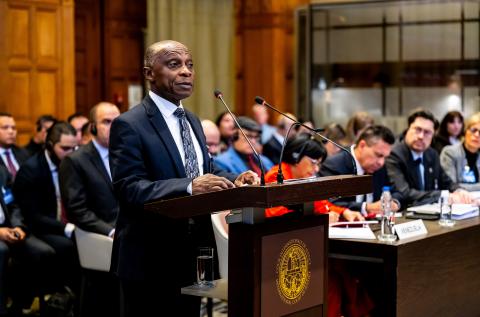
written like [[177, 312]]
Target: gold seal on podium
[[293, 271]]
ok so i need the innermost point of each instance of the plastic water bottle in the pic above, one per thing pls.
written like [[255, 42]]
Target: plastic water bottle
[[387, 234], [467, 175]]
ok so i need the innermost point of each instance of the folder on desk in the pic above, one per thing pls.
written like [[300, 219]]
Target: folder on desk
[[459, 211]]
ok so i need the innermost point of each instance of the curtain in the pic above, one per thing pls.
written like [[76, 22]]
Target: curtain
[[206, 27]]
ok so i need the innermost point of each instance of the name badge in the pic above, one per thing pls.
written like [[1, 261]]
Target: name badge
[[410, 229]]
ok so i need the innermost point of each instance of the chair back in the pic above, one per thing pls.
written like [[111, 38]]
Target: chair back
[[221, 239], [94, 250]]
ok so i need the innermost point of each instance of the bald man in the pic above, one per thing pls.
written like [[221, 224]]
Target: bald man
[[158, 151], [273, 147], [212, 134]]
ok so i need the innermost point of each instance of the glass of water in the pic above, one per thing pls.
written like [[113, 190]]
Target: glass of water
[[205, 266]]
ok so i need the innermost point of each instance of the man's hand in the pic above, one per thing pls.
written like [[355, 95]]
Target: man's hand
[[210, 183], [247, 178], [460, 196], [20, 233], [376, 207], [333, 217], [8, 235], [350, 215]]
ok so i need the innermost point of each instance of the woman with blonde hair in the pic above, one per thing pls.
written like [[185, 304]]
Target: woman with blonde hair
[[461, 161]]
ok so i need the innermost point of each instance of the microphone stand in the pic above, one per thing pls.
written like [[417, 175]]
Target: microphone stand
[[219, 95], [262, 101]]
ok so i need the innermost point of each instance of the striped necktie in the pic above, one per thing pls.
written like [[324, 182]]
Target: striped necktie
[[191, 162]]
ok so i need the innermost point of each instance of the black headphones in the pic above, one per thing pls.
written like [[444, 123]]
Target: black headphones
[[93, 128]]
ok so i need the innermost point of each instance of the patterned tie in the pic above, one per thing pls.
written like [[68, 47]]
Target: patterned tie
[[191, 162], [11, 166]]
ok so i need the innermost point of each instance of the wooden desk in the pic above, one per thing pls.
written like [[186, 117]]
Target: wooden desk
[[437, 274], [218, 291]]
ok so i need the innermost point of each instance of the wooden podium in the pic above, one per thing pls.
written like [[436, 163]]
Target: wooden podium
[[276, 266]]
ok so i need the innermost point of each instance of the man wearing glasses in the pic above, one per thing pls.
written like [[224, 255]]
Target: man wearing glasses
[[239, 157], [414, 167]]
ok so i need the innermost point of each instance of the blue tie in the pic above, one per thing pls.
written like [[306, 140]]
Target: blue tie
[[191, 162], [420, 169]]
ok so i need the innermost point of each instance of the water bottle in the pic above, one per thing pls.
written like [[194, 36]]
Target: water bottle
[[467, 175], [387, 234]]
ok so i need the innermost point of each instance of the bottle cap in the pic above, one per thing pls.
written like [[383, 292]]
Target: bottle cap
[[386, 188]]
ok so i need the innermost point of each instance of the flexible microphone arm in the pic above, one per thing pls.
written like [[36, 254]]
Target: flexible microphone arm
[[262, 101], [280, 173], [218, 94]]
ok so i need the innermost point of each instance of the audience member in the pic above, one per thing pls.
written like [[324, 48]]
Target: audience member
[[85, 180], [37, 142], [302, 159], [372, 147], [273, 147], [240, 157], [37, 192], [336, 133], [30, 256], [77, 121], [302, 129], [414, 167], [461, 161], [450, 131], [212, 135], [158, 151], [12, 156], [227, 128], [260, 115], [357, 123]]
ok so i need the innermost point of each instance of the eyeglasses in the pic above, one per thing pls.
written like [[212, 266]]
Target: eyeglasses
[[255, 137], [474, 131], [419, 130], [314, 162], [67, 148]]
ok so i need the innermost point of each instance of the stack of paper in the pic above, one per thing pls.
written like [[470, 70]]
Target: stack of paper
[[464, 211], [351, 233]]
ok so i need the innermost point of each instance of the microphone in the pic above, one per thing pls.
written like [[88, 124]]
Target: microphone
[[262, 102], [218, 94]]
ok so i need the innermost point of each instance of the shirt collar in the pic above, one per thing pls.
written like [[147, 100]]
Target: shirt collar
[[416, 155], [167, 108], [52, 166], [6, 150], [103, 151], [360, 170]]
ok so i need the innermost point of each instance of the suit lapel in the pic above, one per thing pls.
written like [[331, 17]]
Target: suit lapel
[[160, 126], [97, 161]]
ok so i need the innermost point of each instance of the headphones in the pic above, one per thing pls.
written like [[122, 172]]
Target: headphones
[[93, 128], [298, 155]]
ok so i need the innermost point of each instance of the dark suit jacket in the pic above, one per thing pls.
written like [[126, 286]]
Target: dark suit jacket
[[34, 192], [146, 165], [272, 150], [342, 164], [404, 176], [21, 155], [87, 191]]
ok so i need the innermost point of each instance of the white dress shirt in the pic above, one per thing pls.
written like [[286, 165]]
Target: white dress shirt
[[167, 109], [103, 152]]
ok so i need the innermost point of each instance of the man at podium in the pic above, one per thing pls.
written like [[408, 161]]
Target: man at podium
[[158, 151]]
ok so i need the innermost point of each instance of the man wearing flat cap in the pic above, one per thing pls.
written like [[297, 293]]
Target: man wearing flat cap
[[240, 157]]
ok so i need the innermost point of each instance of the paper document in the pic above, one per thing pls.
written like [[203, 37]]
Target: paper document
[[351, 233]]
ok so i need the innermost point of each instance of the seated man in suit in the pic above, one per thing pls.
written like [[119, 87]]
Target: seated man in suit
[[31, 255], [414, 167], [273, 147], [37, 192], [239, 157], [369, 153], [85, 179], [12, 156]]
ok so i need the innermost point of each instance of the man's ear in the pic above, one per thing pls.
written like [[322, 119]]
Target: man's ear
[[147, 72]]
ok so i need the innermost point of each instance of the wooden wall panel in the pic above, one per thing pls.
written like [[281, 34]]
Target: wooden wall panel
[[36, 63], [264, 58]]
